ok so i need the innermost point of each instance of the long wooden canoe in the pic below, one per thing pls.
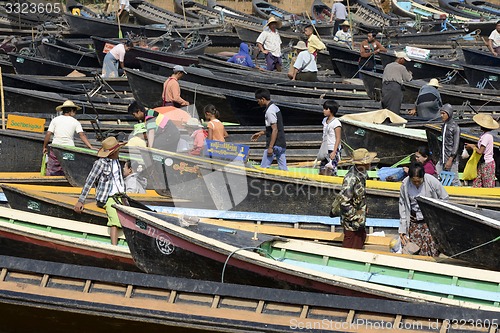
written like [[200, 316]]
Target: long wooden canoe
[[159, 243], [34, 295], [35, 236]]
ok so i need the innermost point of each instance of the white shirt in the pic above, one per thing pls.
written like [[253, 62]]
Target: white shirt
[[271, 115], [339, 11], [495, 37], [271, 41], [118, 184], [303, 58], [126, 3], [118, 52], [343, 37], [329, 132], [64, 129]]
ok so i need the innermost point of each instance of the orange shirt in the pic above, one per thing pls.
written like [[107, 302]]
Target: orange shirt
[[172, 92], [217, 130]]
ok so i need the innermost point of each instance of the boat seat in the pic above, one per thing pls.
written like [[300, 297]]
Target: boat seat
[[277, 14], [446, 177]]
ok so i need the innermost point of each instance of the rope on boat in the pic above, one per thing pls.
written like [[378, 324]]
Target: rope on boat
[[242, 248], [472, 249]]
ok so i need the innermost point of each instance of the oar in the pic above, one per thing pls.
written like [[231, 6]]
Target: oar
[[120, 34]]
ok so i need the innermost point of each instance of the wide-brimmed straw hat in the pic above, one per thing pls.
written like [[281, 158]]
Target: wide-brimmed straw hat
[[300, 45], [402, 54], [109, 146], [434, 83], [193, 123], [486, 121], [275, 20], [363, 156], [346, 23], [67, 104]]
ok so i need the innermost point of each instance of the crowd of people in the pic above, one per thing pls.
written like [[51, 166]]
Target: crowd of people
[[157, 129]]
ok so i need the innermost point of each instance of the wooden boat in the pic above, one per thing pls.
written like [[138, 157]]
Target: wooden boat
[[234, 105], [166, 303], [428, 69], [447, 222], [58, 201], [251, 187], [213, 12], [464, 9], [421, 38], [480, 58], [102, 44], [369, 17], [467, 135], [146, 13], [250, 33], [454, 95], [399, 142], [39, 66], [34, 178], [21, 151], [206, 77], [70, 56], [31, 235], [92, 26], [486, 6], [7, 67], [302, 264], [482, 76], [36, 83], [350, 69], [34, 102]]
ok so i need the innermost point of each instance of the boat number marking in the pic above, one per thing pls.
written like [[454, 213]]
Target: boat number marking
[[20, 60], [68, 156], [164, 244], [493, 78], [360, 132], [33, 205]]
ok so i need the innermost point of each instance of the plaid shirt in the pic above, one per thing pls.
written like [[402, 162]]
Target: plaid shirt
[[353, 203], [102, 174]]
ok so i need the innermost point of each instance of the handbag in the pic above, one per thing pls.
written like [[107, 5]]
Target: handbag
[[470, 170]]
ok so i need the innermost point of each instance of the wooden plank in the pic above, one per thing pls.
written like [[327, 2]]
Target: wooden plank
[[44, 281]]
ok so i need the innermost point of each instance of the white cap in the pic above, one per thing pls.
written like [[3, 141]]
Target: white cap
[[179, 68], [402, 54]]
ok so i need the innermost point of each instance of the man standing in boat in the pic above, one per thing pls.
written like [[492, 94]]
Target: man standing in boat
[[339, 12], [395, 74], [275, 131], [494, 41], [450, 144], [269, 43], [123, 14], [63, 128], [171, 95], [367, 51], [350, 203], [428, 101]]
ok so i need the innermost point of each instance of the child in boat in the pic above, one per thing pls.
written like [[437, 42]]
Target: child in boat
[[198, 133], [486, 166], [216, 130], [331, 147], [134, 183]]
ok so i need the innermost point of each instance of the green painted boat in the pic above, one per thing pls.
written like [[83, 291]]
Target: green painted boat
[[461, 284], [35, 236]]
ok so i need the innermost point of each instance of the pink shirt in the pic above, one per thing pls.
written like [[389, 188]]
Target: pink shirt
[[486, 140], [118, 52], [199, 137], [429, 168]]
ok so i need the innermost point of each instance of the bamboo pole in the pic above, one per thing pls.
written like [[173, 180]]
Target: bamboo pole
[[184, 13], [2, 100]]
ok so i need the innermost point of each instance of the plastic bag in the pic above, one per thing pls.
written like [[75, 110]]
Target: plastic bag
[[323, 152], [470, 170], [43, 169]]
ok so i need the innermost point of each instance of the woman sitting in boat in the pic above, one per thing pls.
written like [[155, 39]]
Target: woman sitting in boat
[[486, 166], [412, 225], [243, 57], [423, 156]]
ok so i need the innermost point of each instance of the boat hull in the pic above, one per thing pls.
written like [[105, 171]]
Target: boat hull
[[447, 223]]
